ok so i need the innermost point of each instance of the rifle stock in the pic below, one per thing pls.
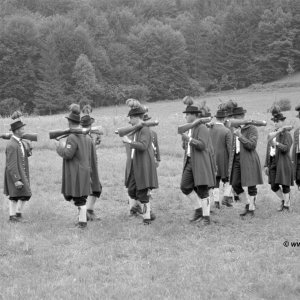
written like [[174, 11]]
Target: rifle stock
[[58, 134], [185, 127], [237, 123], [132, 129], [33, 137]]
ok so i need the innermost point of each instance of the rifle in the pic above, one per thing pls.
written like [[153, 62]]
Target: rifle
[[237, 122], [274, 134], [185, 127], [59, 134], [132, 129], [26, 136]]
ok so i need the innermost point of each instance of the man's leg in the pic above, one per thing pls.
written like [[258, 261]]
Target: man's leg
[[187, 188], [287, 197], [90, 205], [203, 194], [144, 197], [217, 191], [132, 191], [80, 202], [252, 192], [13, 210]]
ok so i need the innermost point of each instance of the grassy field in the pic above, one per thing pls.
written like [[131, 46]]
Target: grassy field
[[118, 257]]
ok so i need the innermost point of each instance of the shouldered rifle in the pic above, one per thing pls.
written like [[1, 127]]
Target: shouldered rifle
[[237, 122], [274, 134], [59, 134], [185, 127], [132, 129], [26, 136]]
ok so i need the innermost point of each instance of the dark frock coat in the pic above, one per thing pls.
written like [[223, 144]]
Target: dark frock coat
[[202, 157], [294, 151], [221, 138], [251, 173], [76, 176], [143, 161], [17, 169], [284, 167]]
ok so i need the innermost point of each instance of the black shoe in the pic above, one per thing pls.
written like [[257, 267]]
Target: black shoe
[[281, 208], [90, 215], [136, 210], [14, 219], [147, 221], [81, 225], [217, 205], [197, 215], [237, 198], [227, 201], [246, 211], [205, 221], [152, 216], [251, 213], [19, 215]]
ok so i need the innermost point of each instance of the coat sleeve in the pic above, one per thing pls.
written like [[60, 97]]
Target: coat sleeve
[[12, 163], [68, 151], [197, 142], [250, 142], [143, 141], [286, 143], [228, 141], [28, 147], [155, 142], [267, 156]]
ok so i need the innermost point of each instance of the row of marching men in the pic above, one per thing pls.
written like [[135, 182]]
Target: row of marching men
[[218, 156], [221, 156]]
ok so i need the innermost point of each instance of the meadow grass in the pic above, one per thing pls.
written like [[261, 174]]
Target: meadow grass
[[118, 257]]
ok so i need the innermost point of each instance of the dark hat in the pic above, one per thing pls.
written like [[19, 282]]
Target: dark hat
[[136, 111], [146, 117], [238, 111], [191, 109], [278, 117], [16, 125], [86, 121], [297, 108], [221, 114], [73, 117]]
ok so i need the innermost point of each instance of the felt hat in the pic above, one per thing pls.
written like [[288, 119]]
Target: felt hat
[[16, 125], [238, 111], [278, 117], [86, 121]]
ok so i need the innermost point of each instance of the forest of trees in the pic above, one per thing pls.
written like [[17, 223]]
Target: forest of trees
[[53, 53]]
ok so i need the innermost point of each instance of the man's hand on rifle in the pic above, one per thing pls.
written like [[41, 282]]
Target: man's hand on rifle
[[126, 139], [237, 132], [185, 137]]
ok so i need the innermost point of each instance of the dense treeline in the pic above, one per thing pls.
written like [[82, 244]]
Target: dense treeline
[[104, 51]]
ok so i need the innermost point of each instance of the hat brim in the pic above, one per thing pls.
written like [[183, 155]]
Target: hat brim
[[192, 112], [239, 113], [71, 119], [146, 119], [92, 120], [135, 114], [18, 127], [278, 119]]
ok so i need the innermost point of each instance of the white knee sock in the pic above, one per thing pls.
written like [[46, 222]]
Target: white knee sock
[[221, 192], [252, 202], [12, 207], [82, 213], [287, 199], [194, 200], [244, 198], [205, 207], [147, 210], [216, 195], [20, 206], [227, 190], [280, 194], [132, 202], [90, 203]]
